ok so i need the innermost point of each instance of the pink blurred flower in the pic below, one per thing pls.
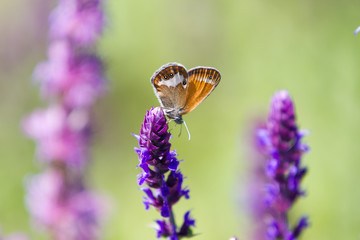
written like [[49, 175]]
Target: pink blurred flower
[[43, 193], [80, 21], [78, 78], [60, 136], [65, 207], [72, 78]]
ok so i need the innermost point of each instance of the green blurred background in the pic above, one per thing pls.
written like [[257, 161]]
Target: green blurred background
[[259, 46]]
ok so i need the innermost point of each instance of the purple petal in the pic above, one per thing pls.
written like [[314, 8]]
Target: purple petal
[[303, 223], [163, 229]]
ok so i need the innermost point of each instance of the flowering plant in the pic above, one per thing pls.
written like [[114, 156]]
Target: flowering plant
[[160, 172], [71, 79], [281, 142]]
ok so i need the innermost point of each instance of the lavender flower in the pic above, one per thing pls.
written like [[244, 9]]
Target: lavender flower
[[72, 79], [77, 77], [281, 141], [79, 21], [61, 134], [63, 205], [160, 172]]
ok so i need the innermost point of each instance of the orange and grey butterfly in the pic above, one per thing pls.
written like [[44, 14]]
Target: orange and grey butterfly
[[180, 91]]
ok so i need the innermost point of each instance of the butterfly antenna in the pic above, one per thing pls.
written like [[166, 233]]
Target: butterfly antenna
[[168, 122], [187, 130], [180, 130]]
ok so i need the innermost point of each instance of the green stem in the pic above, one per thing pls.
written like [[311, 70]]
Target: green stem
[[172, 222]]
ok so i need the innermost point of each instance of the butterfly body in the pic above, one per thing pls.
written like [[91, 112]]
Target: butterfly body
[[180, 91]]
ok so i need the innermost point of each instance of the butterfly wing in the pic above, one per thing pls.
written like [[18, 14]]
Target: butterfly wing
[[201, 82], [169, 88]]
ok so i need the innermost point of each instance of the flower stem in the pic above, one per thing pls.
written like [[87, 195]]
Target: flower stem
[[173, 224]]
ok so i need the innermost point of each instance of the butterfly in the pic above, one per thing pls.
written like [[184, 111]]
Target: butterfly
[[180, 91]]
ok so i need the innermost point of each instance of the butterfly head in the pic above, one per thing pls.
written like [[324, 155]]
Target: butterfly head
[[178, 120]]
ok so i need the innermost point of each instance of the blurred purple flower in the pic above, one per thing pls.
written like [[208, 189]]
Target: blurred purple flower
[[78, 78], [60, 135], [160, 172], [281, 142], [63, 205], [72, 78], [42, 197], [79, 21]]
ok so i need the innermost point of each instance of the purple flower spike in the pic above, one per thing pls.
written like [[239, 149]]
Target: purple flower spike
[[71, 79], [160, 172], [154, 148], [280, 142]]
